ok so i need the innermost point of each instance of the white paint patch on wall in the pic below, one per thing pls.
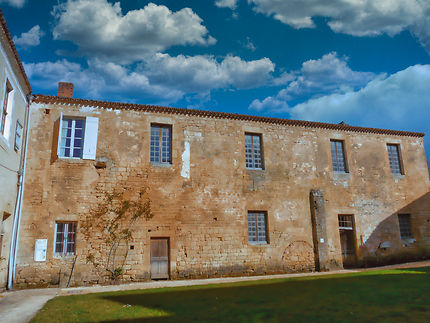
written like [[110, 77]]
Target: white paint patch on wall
[[88, 108], [185, 172]]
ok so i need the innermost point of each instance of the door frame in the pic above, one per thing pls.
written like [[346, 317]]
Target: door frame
[[168, 256], [354, 238]]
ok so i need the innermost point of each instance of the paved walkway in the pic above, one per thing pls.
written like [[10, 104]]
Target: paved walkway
[[20, 306]]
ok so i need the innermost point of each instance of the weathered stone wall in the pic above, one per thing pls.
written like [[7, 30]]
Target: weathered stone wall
[[204, 211]]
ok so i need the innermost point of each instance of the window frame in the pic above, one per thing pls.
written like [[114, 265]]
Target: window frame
[[160, 161], [17, 146], [344, 159], [5, 113], [346, 221], [399, 157], [72, 138], [65, 238], [266, 227], [253, 158], [409, 234]]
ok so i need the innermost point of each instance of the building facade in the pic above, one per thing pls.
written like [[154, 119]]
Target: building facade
[[14, 89], [136, 192]]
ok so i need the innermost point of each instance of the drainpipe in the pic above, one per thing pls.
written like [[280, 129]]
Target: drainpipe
[[18, 204]]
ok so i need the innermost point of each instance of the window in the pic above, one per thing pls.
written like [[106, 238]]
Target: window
[[257, 227], [394, 158], [65, 238], [253, 153], [75, 137], [161, 144], [72, 138], [4, 113], [345, 222], [338, 156], [405, 226], [18, 135]]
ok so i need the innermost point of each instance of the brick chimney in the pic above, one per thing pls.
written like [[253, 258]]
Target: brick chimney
[[65, 89]]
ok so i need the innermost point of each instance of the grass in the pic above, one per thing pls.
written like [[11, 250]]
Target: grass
[[371, 296]]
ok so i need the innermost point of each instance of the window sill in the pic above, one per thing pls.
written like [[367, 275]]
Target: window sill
[[66, 256], [259, 244], [161, 164], [254, 169], [341, 175], [408, 241], [397, 176]]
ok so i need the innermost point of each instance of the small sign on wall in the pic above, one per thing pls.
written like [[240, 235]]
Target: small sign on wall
[[40, 249]]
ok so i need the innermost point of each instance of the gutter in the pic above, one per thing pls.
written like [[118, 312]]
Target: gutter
[[18, 205]]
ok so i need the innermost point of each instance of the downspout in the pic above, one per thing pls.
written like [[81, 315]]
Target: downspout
[[18, 205]]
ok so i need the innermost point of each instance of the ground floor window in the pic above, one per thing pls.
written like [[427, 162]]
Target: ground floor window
[[257, 227], [65, 238], [405, 226]]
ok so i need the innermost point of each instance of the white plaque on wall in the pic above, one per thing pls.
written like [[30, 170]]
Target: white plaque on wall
[[40, 249]]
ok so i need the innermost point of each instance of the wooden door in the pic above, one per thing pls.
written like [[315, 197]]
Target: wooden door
[[159, 258]]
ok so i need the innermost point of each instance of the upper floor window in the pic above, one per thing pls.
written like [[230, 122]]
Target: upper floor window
[[161, 144], [76, 137], [18, 135], [338, 156], [405, 226], [253, 151], [65, 238], [4, 113], [72, 138], [257, 227], [394, 158]]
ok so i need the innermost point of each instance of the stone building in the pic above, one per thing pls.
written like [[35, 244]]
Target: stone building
[[133, 192], [14, 89]]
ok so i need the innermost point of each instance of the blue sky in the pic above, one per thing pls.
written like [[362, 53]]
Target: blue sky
[[364, 62]]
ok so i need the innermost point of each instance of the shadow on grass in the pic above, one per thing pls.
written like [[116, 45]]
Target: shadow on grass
[[392, 295]]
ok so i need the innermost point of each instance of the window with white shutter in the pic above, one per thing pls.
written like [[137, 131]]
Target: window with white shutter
[[78, 137]]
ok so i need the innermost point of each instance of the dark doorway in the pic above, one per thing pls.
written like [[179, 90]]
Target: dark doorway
[[347, 240], [159, 258]]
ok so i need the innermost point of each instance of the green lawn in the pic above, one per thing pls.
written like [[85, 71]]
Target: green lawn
[[373, 296]]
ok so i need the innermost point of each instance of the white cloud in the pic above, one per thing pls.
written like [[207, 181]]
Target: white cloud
[[101, 30], [194, 74], [399, 101], [274, 103], [98, 80], [354, 17], [161, 77], [14, 3], [30, 38], [329, 73], [232, 4], [316, 77]]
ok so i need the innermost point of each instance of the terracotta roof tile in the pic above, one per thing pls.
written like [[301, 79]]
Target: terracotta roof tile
[[49, 99]]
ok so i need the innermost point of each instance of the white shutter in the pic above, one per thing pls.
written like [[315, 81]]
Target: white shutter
[[60, 127], [90, 139]]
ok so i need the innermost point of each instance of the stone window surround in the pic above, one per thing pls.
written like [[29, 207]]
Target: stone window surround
[[169, 152], [253, 159], [256, 224], [6, 113], [340, 154], [398, 169], [66, 233]]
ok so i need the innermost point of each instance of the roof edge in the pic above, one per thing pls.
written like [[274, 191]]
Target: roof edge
[[14, 51], [50, 99]]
